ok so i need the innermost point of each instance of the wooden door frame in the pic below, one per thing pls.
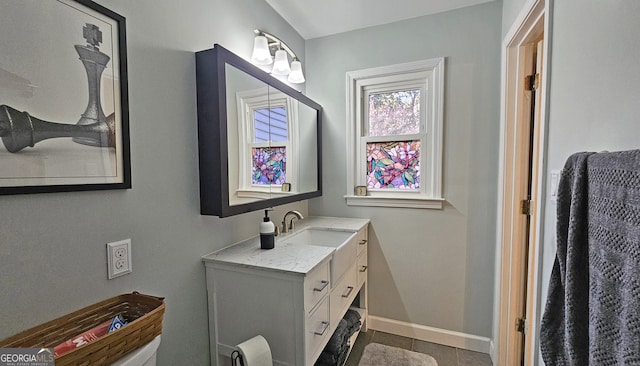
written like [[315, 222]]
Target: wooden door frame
[[533, 20]]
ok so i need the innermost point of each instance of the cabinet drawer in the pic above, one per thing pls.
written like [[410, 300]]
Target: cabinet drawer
[[316, 285], [363, 239], [362, 267], [342, 295], [317, 330]]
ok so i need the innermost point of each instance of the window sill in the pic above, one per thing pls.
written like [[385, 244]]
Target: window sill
[[428, 203]]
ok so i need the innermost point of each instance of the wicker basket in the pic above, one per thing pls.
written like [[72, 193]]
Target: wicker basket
[[144, 314]]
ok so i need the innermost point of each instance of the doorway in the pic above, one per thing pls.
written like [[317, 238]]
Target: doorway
[[520, 201]]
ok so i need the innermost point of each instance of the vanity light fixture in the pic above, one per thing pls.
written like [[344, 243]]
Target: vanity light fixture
[[268, 49]]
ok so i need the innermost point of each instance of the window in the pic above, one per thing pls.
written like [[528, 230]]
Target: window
[[267, 154], [394, 138], [269, 147]]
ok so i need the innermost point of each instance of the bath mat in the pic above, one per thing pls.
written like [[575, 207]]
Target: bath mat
[[376, 354]]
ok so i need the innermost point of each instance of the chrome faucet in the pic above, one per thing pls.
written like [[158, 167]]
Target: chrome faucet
[[286, 227]]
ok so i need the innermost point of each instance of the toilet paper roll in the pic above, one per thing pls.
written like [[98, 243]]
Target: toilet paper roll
[[255, 352]]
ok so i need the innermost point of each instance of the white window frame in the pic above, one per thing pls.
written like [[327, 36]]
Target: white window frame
[[247, 103], [430, 75]]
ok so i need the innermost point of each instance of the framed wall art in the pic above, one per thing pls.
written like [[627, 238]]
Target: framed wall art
[[64, 118]]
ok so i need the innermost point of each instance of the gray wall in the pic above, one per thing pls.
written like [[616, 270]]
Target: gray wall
[[428, 267], [510, 11], [594, 90], [52, 246]]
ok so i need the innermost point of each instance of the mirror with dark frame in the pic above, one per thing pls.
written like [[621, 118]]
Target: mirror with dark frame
[[259, 139]]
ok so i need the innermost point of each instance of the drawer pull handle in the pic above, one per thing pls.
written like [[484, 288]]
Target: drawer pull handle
[[325, 325], [363, 242], [350, 289], [363, 269], [324, 284]]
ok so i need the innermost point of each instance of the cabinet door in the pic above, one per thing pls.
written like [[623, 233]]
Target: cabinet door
[[362, 267], [363, 240], [317, 331]]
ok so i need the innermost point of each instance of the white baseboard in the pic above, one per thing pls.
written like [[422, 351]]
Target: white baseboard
[[430, 334]]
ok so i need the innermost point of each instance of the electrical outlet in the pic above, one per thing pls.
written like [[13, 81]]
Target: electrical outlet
[[119, 258]]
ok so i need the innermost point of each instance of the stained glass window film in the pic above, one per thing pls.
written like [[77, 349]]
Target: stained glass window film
[[270, 124], [269, 165], [393, 164], [394, 113]]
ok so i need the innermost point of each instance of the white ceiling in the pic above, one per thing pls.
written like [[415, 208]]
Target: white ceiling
[[317, 18]]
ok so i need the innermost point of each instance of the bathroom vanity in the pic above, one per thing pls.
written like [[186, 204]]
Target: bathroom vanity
[[294, 295]]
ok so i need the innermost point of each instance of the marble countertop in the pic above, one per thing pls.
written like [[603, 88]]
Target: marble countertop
[[285, 257]]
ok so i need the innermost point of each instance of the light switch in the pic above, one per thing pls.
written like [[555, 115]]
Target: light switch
[[554, 179]]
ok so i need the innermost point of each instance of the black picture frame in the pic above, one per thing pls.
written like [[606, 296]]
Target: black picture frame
[[64, 110]]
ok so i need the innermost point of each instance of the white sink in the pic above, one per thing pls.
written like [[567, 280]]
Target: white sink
[[325, 237], [343, 240]]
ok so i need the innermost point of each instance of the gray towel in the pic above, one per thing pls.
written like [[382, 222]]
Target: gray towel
[[592, 311], [564, 328]]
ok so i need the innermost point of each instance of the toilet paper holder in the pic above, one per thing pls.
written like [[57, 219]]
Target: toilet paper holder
[[236, 358]]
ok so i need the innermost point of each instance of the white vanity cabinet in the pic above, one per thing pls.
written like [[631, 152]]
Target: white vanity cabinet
[[286, 294]]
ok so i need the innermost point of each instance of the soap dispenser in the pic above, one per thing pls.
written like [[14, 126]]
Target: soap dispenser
[[267, 232]]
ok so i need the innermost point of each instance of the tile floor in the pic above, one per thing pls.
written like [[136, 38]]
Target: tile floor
[[444, 355]]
